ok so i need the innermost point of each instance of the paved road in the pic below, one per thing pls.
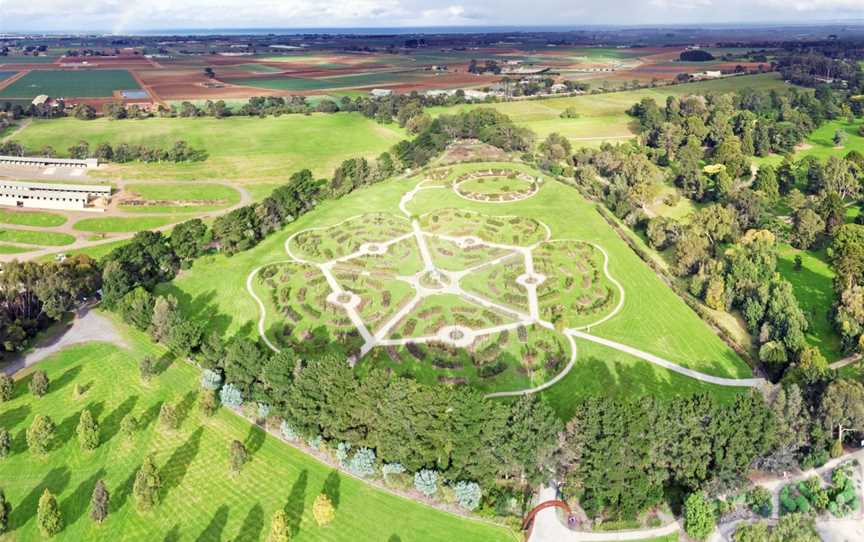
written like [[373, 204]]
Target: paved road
[[88, 326]]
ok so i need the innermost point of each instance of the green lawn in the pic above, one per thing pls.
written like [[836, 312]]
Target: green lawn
[[68, 83], [604, 115], [815, 293], [12, 249], [39, 238], [181, 197], [40, 219], [199, 499], [653, 318], [120, 224], [239, 148]]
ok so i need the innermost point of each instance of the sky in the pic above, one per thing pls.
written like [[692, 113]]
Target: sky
[[138, 15]]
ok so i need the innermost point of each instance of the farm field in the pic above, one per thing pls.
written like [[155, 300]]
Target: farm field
[[240, 148], [177, 197], [88, 83], [214, 289], [192, 462], [603, 116]]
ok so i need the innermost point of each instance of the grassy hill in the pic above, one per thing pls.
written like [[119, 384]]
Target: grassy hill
[[240, 148], [200, 500]]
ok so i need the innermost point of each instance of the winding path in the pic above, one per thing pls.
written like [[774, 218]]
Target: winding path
[[451, 286]]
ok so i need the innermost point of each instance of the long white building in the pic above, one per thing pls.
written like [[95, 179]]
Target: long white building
[[44, 161], [69, 197]]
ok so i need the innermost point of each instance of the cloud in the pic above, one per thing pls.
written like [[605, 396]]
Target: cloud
[[680, 4]]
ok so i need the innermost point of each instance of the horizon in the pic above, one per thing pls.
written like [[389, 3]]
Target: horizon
[[161, 16]]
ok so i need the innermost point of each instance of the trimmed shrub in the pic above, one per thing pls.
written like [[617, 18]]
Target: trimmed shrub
[[263, 411], [342, 454], [426, 482], [288, 432], [231, 396], [210, 380], [38, 383], [468, 494], [323, 510], [363, 463]]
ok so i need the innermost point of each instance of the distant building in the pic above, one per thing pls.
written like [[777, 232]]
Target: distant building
[[42, 99], [558, 87], [381, 92], [710, 74], [68, 197]]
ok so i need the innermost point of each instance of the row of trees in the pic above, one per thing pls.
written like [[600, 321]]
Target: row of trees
[[32, 295], [124, 152]]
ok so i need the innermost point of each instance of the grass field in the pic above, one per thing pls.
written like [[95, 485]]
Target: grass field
[[12, 249], [180, 197], [653, 317], [40, 219], [239, 148], [39, 238], [120, 224], [603, 116], [814, 290], [65, 83], [199, 499]]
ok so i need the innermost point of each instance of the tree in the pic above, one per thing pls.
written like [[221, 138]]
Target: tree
[[38, 383], [5, 510], [164, 318], [323, 510], [168, 416], [147, 484], [49, 517], [147, 368], [766, 182], [209, 402], [129, 425], [237, 456], [188, 240], [279, 529], [699, 518], [808, 227], [6, 387], [99, 502], [40, 434], [839, 138], [5, 443], [88, 431], [842, 407]]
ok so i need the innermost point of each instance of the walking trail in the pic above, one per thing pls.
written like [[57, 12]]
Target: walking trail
[[448, 282]]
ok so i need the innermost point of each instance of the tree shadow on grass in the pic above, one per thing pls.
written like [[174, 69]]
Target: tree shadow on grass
[[184, 407], [255, 439], [200, 308], [173, 534], [56, 481], [75, 505], [178, 464], [394, 538], [253, 525], [331, 487], [213, 530], [12, 417], [120, 495], [149, 415], [297, 502], [111, 424], [65, 379], [163, 363]]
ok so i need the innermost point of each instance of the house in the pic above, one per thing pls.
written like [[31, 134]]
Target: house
[[42, 99], [558, 87], [54, 196], [381, 92]]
